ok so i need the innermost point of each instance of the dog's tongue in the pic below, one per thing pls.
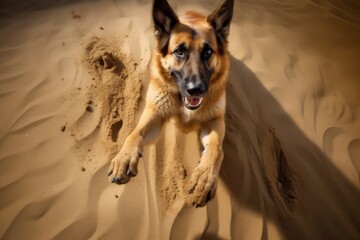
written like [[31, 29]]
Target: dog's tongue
[[193, 101]]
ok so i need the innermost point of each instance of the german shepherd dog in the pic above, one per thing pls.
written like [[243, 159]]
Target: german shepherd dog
[[188, 78]]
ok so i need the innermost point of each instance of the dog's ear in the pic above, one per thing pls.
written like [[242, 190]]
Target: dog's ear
[[220, 20], [164, 19]]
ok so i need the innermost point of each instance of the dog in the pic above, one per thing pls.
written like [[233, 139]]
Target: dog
[[188, 77]]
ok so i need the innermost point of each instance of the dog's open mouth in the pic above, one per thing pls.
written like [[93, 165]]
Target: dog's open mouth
[[192, 103]]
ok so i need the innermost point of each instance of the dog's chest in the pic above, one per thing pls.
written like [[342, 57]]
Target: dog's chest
[[187, 115]]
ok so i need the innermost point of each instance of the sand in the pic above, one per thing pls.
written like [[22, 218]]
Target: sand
[[73, 76]]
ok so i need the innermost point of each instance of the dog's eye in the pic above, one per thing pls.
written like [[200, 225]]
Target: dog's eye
[[180, 52], [208, 52]]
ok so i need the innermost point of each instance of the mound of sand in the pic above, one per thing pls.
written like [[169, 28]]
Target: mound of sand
[[73, 76]]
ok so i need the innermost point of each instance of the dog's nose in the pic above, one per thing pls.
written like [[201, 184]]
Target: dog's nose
[[195, 89]]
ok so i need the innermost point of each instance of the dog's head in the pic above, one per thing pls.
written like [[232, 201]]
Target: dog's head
[[191, 47]]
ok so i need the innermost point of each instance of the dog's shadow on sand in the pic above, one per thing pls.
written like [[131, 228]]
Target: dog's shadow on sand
[[273, 169]]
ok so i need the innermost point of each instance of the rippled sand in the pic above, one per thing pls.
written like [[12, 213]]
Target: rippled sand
[[72, 80]]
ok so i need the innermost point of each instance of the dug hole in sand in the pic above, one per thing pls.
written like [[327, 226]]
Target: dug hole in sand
[[117, 88], [73, 77]]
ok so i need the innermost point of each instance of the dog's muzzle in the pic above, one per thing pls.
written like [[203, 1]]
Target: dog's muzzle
[[192, 90], [195, 90]]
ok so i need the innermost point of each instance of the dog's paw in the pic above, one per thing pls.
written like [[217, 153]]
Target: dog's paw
[[202, 185], [124, 166]]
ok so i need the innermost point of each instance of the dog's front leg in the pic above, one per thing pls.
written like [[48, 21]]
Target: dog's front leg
[[124, 165], [203, 181]]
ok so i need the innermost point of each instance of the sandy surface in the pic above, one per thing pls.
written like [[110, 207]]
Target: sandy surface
[[72, 81]]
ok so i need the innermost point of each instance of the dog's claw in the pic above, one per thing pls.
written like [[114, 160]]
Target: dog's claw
[[130, 173], [208, 197], [118, 180], [109, 173]]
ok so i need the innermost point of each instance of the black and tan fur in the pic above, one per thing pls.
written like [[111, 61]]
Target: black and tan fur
[[189, 71]]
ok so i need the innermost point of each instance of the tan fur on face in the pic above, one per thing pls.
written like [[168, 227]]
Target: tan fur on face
[[214, 102]]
